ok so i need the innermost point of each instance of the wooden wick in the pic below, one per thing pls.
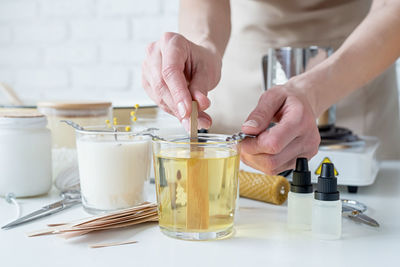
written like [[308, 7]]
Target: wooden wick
[[197, 207], [115, 135]]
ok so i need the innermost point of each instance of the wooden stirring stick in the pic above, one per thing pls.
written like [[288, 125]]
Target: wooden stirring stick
[[197, 207], [193, 121]]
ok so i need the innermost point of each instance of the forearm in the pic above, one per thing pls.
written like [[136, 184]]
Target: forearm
[[366, 53], [206, 22]]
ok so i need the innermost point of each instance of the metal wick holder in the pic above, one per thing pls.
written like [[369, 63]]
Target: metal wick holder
[[147, 131]]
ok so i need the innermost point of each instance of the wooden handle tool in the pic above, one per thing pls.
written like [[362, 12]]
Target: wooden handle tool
[[197, 207]]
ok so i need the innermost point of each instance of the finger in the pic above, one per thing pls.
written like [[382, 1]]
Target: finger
[[204, 79], [174, 53], [268, 105], [256, 161], [156, 81], [291, 125], [306, 146], [199, 87], [265, 163], [148, 89], [271, 141], [287, 166], [155, 98], [151, 92], [292, 151], [150, 48], [204, 120], [201, 98]]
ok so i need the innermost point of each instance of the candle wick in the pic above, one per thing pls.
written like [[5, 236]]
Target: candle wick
[[115, 135]]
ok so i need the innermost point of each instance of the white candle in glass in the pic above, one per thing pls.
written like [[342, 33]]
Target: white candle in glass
[[112, 172]]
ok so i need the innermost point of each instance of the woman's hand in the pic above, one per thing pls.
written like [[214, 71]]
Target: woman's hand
[[294, 135], [176, 71]]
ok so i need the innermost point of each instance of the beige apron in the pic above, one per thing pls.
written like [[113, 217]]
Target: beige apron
[[259, 25]]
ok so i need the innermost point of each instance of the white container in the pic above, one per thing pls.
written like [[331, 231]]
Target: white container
[[300, 211], [113, 169], [25, 154], [327, 219], [63, 136], [83, 113]]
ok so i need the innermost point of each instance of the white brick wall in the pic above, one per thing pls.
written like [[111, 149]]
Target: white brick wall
[[79, 49], [5, 34], [40, 32], [68, 9], [15, 10], [14, 57], [70, 55], [31, 79]]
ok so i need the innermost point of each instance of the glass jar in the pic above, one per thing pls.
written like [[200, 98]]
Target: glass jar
[[83, 113], [196, 185], [25, 153], [114, 167]]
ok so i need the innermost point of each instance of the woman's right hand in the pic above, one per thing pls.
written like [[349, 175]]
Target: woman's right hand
[[177, 71]]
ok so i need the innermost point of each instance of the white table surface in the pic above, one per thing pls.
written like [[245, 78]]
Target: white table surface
[[261, 238]]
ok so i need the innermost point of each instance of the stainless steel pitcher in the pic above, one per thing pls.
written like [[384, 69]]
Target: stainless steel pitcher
[[281, 64]]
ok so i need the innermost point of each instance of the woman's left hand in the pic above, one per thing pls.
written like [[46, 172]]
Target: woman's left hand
[[294, 135]]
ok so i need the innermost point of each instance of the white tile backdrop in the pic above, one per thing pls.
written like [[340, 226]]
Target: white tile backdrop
[[80, 49]]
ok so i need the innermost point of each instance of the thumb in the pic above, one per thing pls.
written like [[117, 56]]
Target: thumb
[[259, 119]]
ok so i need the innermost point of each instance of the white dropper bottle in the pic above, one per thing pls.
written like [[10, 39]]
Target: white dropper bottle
[[300, 197], [327, 208]]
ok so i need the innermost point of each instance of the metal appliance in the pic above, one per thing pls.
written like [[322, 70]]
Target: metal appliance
[[353, 156]]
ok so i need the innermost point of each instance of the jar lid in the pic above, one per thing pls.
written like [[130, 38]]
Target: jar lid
[[19, 113], [17, 118], [71, 105]]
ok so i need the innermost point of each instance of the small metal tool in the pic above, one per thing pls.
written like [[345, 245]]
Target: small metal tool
[[354, 210], [70, 198], [73, 124], [242, 136], [239, 136]]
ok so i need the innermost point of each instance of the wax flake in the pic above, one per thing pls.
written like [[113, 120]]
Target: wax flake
[[180, 195]]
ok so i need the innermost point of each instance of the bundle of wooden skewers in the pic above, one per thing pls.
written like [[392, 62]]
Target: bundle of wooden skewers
[[145, 212]]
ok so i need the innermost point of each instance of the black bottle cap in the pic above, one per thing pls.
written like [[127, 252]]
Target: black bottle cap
[[301, 182], [327, 184]]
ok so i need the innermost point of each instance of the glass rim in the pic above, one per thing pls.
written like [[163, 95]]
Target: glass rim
[[310, 47], [221, 139], [109, 131]]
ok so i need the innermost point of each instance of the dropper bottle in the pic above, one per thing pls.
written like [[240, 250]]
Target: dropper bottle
[[327, 208], [300, 197]]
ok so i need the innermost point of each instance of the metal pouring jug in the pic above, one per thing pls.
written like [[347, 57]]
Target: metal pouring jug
[[281, 64]]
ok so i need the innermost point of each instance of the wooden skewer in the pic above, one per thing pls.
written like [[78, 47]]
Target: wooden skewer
[[112, 244], [11, 94], [193, 121], [147, 212], [197, 207]]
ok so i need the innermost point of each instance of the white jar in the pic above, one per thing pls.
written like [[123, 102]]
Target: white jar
[[113, 168], [82, 113], [25, 153]]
